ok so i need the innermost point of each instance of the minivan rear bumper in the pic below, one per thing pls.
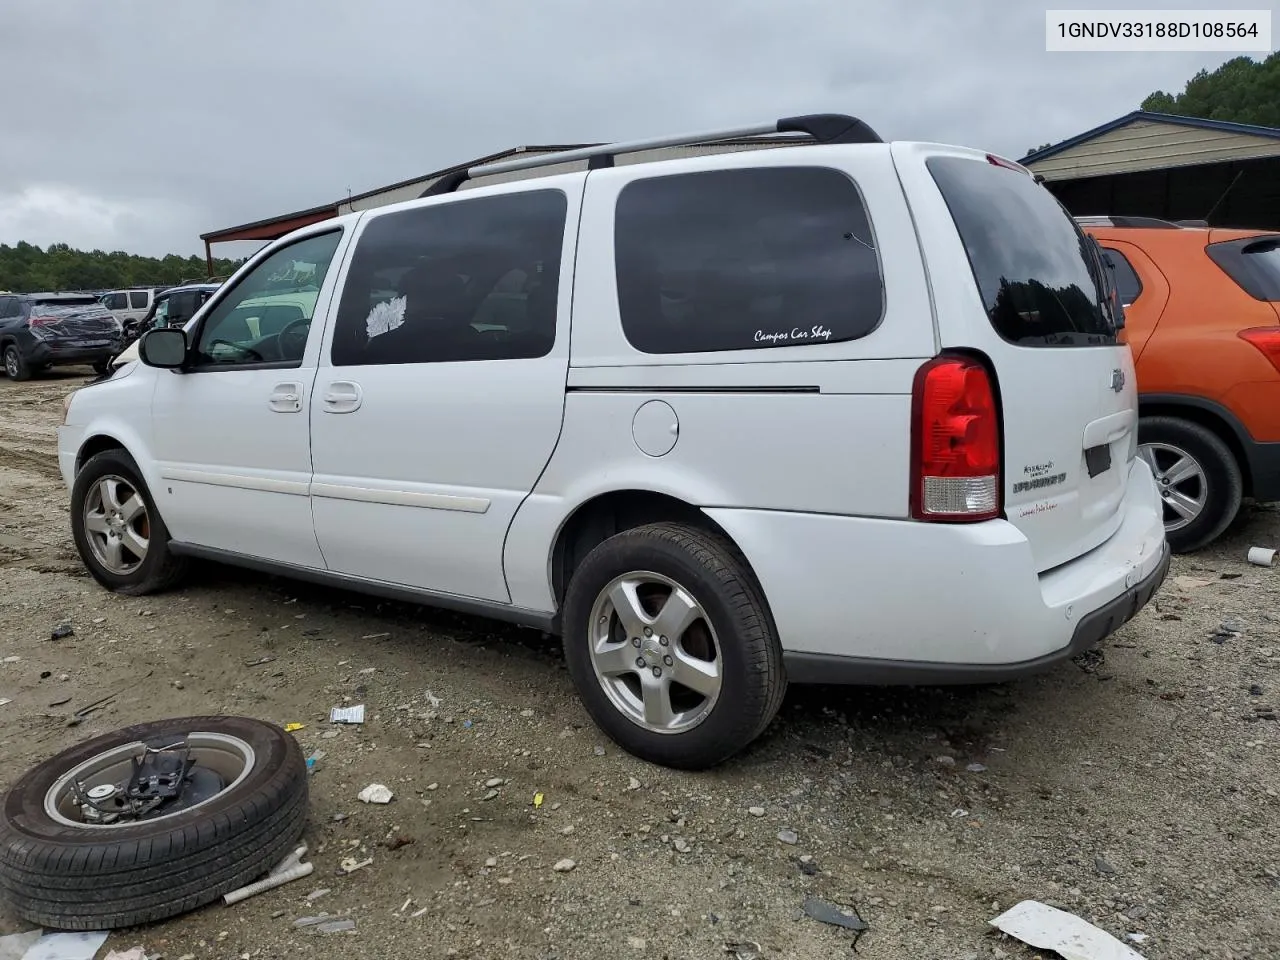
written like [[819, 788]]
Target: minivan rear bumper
[[890, 602]]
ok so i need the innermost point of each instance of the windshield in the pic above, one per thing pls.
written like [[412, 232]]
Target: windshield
[[1037, 273]]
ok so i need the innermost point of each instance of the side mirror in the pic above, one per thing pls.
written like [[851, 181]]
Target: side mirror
[[163, 347]]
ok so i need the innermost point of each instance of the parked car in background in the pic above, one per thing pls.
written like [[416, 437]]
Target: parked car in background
[[171, 307], [852, 412], [129, 306], [1202, 309], [42, 330]]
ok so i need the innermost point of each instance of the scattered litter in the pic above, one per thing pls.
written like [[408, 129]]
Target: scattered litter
[[756, 811], [494, 782], [824, 912], [1047, 928], [11, 660], [335, 926], [376, 793], [6, 700], [61, 632], [1190, 583], [66, 946], [434, 700], [1260, 557], [405, 906], [633, 783], [789, 836], [351, 864], [746, 950], [375, 636], [286, 871], [1138, 937], [526, 714], [959, 812], [467, 724], [314, 759], [137, 953], [347, 714], [977, 768], [259, 662], [14, 946], [339, 817], [60, 702], [564, 866], [367, 671], [418, 913], [294, 727], [599, 750], [315, 895], [537, 800]]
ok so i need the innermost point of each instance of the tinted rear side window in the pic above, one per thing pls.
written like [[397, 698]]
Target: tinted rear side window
[[138, 299], [465, 280], [1253, 263], [1126, 277], [744, 259], [1030, 260]]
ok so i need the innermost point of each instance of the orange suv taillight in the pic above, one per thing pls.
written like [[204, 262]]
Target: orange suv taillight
[[1267, 340], [955, 442]]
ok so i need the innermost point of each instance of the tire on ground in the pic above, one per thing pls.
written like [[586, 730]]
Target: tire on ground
[[1222, 478], [160, 570], [96, 878], [716, 574]]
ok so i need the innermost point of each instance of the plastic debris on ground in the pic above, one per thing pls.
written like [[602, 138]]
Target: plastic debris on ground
[[314, 759], [334, 926], [61, 632], [66, 946], [294, 727], [376, 793], [15, 945], [1047, 928], [347, 714], [4, 701], [137, 953], [837, 916], [537, 800], [1262, 556], [351, 864], [286, 871], [746, 950]]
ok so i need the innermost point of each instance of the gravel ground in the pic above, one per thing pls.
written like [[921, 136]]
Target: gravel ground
[[1137, 789]]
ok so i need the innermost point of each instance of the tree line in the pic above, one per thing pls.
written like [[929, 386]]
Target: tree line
[[26, 268]]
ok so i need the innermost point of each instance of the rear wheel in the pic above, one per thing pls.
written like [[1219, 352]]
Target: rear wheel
[[1198, 477], [15, 365], [671, 647]]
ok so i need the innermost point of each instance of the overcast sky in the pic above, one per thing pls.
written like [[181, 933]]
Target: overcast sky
[[140, 124]]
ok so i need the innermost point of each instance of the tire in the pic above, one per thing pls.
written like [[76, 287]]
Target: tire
[[1165, 442], [90, 877], [159, 569], [101, 366], [15, 365], [732, 619]]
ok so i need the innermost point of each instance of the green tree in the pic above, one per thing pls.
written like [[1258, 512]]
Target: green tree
[[26, 268], [1242, 90]]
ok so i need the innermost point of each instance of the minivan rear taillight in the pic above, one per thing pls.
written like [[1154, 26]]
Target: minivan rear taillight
[[955, 442]]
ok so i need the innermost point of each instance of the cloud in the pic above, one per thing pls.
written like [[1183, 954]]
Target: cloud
[[143, 124]]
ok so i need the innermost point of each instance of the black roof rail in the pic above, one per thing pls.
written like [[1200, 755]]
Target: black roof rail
[[1146, 222], [819, 127]]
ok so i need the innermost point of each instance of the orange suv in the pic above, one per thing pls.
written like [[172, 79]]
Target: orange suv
[[1202, 316]]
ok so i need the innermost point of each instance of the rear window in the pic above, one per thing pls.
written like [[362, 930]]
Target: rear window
[[1032, 264], [745, 259], [138, 299], [1253, 263], [66, 301], [68, 308]]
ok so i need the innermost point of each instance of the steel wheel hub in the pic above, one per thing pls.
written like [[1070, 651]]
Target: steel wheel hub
[[655, 653]]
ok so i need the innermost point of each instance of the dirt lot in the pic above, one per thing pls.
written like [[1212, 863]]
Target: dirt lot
[[1138, 790]]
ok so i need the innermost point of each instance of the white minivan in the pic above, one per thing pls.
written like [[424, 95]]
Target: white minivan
[[840, 412]]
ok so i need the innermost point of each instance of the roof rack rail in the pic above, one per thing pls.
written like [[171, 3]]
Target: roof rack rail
[[820, 127], [1109, 221]]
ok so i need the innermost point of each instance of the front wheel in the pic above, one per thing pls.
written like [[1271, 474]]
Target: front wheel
[[118, 530], [1198, 478], [671, 646]]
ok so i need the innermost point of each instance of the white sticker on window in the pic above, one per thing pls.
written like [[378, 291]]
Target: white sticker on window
[[385, 316]]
